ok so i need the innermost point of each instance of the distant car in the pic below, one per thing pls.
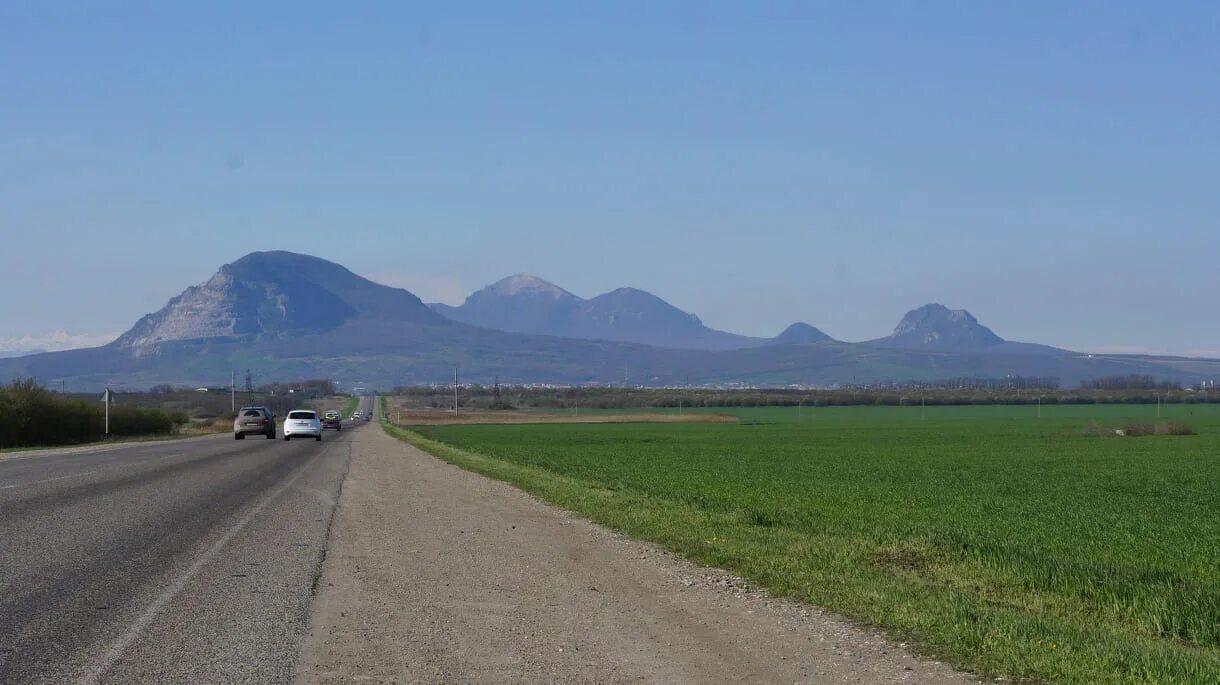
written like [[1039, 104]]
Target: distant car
[[254, 421], [332, 419], [302, 423], [356, 416]]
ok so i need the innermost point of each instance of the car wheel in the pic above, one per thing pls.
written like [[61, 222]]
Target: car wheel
[[237, 436], [318, 437], [286, 437]]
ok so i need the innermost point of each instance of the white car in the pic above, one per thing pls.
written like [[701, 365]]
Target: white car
[[302, 423]]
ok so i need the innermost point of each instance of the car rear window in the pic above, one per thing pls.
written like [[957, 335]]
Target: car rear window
[[300, 415], [252, 412]]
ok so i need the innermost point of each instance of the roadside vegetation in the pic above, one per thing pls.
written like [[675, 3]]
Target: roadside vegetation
[[1007, 544], [30, 416]]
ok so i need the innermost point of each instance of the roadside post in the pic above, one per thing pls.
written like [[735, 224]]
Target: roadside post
[[107, 398]]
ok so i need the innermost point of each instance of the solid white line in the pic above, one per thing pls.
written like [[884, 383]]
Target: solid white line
[[117, 648], [47, 480]]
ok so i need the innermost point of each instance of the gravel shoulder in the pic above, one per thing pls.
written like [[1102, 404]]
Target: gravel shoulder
[[435, 574]]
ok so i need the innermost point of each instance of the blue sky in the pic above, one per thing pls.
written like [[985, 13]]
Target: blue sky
[[1051, 168]]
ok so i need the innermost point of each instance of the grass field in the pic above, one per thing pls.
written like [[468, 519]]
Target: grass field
[[1007, 544]]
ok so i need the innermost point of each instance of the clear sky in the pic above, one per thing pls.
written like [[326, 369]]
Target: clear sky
[[1053, 169]]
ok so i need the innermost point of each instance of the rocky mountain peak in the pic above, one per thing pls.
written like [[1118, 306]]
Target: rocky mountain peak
[[935, 326], [528, 284]]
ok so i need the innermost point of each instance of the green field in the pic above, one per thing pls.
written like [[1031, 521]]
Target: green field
[[1007, 544]]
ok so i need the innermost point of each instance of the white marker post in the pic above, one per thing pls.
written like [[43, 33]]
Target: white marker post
[[107, 398]]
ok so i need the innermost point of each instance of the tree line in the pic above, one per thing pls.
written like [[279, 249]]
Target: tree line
[[528, 397]]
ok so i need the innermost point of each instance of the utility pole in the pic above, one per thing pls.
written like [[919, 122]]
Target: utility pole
[[1158, 405], [798, 411], [1039, 406], [233, 394], [456, 410]]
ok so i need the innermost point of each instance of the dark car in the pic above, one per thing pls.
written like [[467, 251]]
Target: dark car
[[254, 421], [332, 419]]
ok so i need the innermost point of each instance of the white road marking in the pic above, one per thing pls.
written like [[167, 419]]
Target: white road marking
[[47, 480], [119, 646]]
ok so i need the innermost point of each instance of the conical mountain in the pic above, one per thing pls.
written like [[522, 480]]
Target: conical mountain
[[800, 333], [522, 303], [936, 327]]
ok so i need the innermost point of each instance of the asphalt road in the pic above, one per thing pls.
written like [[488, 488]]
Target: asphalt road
[[181, 561]]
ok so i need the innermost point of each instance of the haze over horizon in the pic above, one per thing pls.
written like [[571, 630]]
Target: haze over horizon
[[1047, 168]]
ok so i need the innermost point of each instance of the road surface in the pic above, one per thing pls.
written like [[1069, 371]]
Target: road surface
[[178, 561]]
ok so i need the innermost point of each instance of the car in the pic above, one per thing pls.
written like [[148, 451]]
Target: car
[[302, 423], [356, 416], [332, 419], [254, 421]]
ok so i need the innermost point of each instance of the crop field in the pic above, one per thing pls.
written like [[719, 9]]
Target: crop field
[[1008, 544]]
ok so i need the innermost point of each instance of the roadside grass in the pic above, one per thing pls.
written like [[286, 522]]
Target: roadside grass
[[1006, 545]]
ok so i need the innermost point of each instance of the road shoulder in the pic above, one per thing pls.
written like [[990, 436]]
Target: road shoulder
[[433, 573]]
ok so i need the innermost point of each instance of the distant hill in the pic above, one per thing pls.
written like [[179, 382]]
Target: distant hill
[[935, 327], [519, 304], [287, 316], [527, 304], [800, 333]]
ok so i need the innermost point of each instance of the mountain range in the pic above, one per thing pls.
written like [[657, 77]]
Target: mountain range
[[288, 316], [527, 304]]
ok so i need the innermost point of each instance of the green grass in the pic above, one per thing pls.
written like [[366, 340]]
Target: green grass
[[1006, 544]]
